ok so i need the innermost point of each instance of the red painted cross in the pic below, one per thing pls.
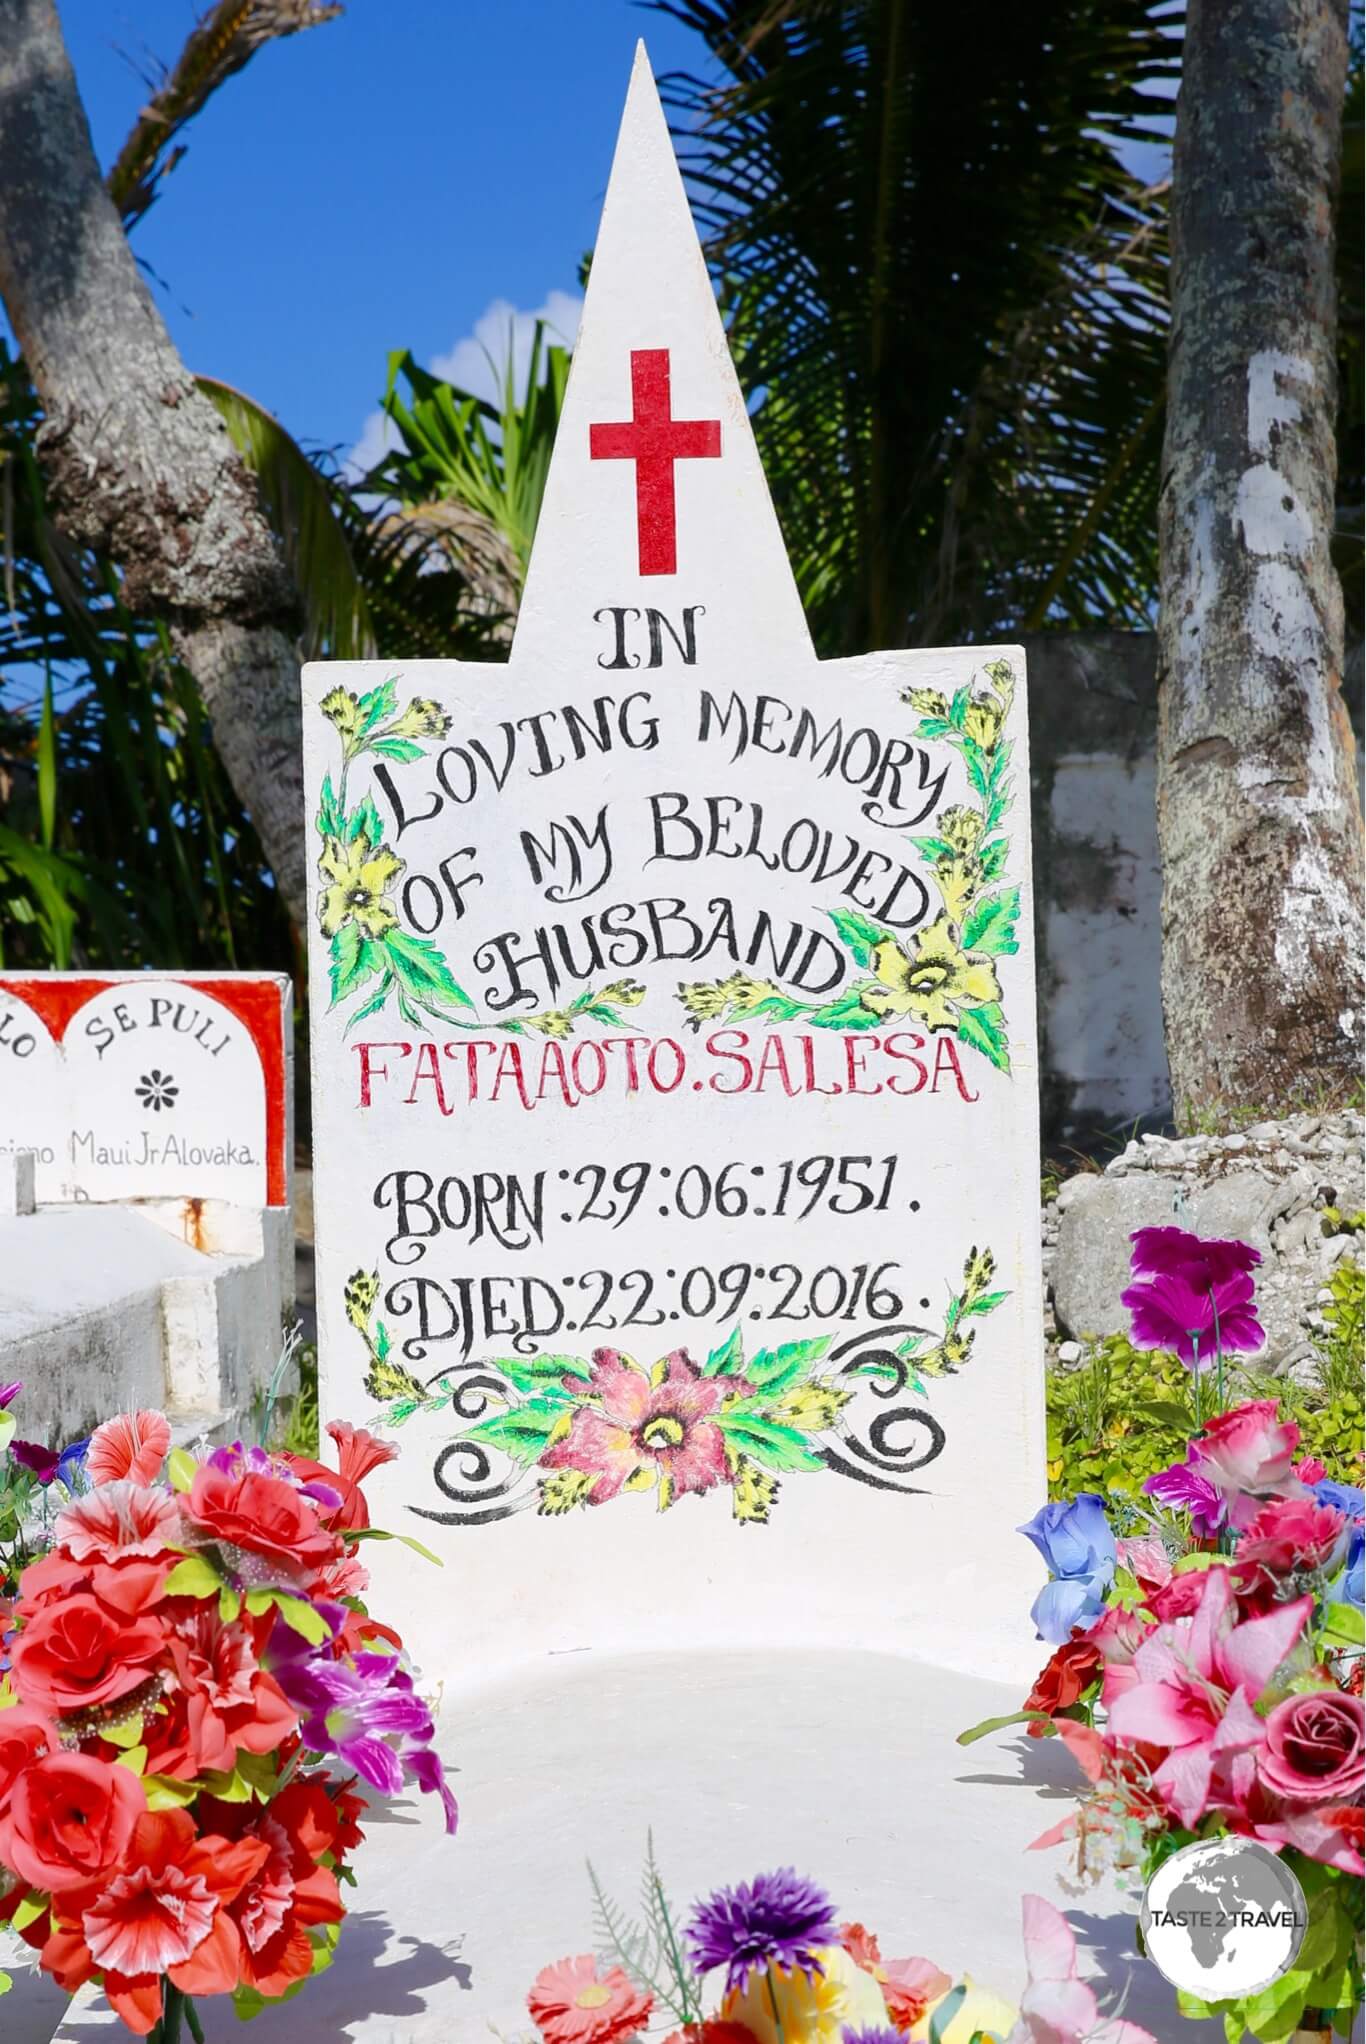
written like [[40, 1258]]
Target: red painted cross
[[654, 441]]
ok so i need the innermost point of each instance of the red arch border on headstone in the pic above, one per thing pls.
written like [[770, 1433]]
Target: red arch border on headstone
[[256, 1005]]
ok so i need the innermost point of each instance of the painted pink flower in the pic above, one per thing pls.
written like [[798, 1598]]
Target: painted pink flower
[[118, 1521], [132, 1444], [633, 1431], [1248, 1455], [1057, 2007], [1191, 1692]]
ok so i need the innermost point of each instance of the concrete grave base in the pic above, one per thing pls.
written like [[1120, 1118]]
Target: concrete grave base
[[843, 1764]]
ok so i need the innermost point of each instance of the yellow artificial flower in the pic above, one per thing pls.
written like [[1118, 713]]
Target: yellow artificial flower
[[928, 984], [981, 2015], [815, 2009], [554, 1022], [421, 719], [342, 708], [360, 881], [983, 719], [957, 880], [928, 701], [961, 827], [623, 993]]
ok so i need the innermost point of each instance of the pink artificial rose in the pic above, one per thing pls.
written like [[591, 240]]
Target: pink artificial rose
[[1118, 1634], [1315, 1749], [1248, 1456]]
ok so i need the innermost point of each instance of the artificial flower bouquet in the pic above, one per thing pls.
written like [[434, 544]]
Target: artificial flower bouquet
[[1206, 1671], [195, 1706], [769, 1962]]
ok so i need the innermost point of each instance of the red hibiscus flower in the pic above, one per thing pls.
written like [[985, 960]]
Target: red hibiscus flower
[[634, 1431], [270, 1533], [358, 1452], [74, 1658]]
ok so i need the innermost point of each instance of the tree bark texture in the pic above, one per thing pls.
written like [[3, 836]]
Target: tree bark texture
[[138, 462], [1258, 816]]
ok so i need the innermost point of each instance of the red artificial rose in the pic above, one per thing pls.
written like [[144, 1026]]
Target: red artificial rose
[[25, 1736], [127, 1587], [262, 1517], [1065, 1677], [1287, 1536], [219, 1700], [70, 1820], [1315, 1751], [76, 1656], [290, 1892]]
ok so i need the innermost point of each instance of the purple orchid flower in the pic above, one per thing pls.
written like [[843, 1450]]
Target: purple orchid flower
[[235, 1460], [39, 1461], [1183, 1488], [9, 1392]]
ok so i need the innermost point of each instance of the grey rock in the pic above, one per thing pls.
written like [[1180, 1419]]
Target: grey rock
[[1235, 1142], [1069, 1352]]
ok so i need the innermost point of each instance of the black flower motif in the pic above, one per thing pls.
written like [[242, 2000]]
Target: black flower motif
[[157, 1090]]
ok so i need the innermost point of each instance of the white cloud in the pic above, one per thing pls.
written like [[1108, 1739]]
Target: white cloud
[[478, 362]]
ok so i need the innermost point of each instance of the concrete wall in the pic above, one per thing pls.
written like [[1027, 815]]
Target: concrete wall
[[1098, 883]]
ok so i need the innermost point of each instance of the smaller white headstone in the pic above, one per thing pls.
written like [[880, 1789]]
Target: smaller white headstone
[[128, 1086]]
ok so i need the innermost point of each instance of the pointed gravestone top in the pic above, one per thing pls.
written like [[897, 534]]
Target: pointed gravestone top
[[676, 1171]]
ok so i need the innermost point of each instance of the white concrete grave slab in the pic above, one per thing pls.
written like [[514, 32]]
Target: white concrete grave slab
[[149, 1085]]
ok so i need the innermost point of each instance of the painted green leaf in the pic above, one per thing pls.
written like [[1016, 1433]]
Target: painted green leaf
[[366, 818], [193, 1577], [846, 1011], [402, 750], [987, 1302], [984, 1029], [377, 704], [729, 1359], [932, 848], [776, 1447], [933, 727], [858, 933], [542, 1373], [993, 856], [375, 1002], [777, 1369], [524, 1433], [329, 816], [990, 922], [958, 708], [974, 759], [355, 958], [421, 970]]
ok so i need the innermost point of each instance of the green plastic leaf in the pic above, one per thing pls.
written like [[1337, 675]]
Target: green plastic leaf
[[858, 933], [984, 1029], [300, 1616], [1342, 1626], [163, 1793], [8, 1426], [126, 1735], [29, 1910], [946, 2011], [729, 1359], [378, 1533], [180, 1469], [134, 1758], [193, 1577], [990, 923], [988, 1725], [229, 1606]]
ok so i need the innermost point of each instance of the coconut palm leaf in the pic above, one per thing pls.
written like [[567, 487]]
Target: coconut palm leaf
[[952, 297]]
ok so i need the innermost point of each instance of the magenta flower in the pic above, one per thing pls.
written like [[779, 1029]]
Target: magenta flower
[[9, 1392], [1170, 1313], [1171, 1252], [39, 1461]]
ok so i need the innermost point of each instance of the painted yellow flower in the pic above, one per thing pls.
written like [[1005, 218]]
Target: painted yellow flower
[[957, 880], [951, 1354], [747, 992], [342, 708], [422, 718], [362, 1290], [623, 993], [961, 827], [928, 701], [553, 1022], [928, 984], [983, 719], [360, 881], [703, 1001], [819, 2008]]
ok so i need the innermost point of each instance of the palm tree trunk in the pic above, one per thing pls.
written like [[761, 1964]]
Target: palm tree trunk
[[137, 460], [1259, 822]]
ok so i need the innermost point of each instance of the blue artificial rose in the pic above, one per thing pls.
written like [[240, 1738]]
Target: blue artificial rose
[[1350, 1586], [1076, 1542], [1343, 1497]]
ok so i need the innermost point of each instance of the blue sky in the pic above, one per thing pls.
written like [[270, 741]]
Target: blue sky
[[374, 183]]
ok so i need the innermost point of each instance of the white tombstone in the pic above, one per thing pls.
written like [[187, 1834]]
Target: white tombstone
[[145, 1085]]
